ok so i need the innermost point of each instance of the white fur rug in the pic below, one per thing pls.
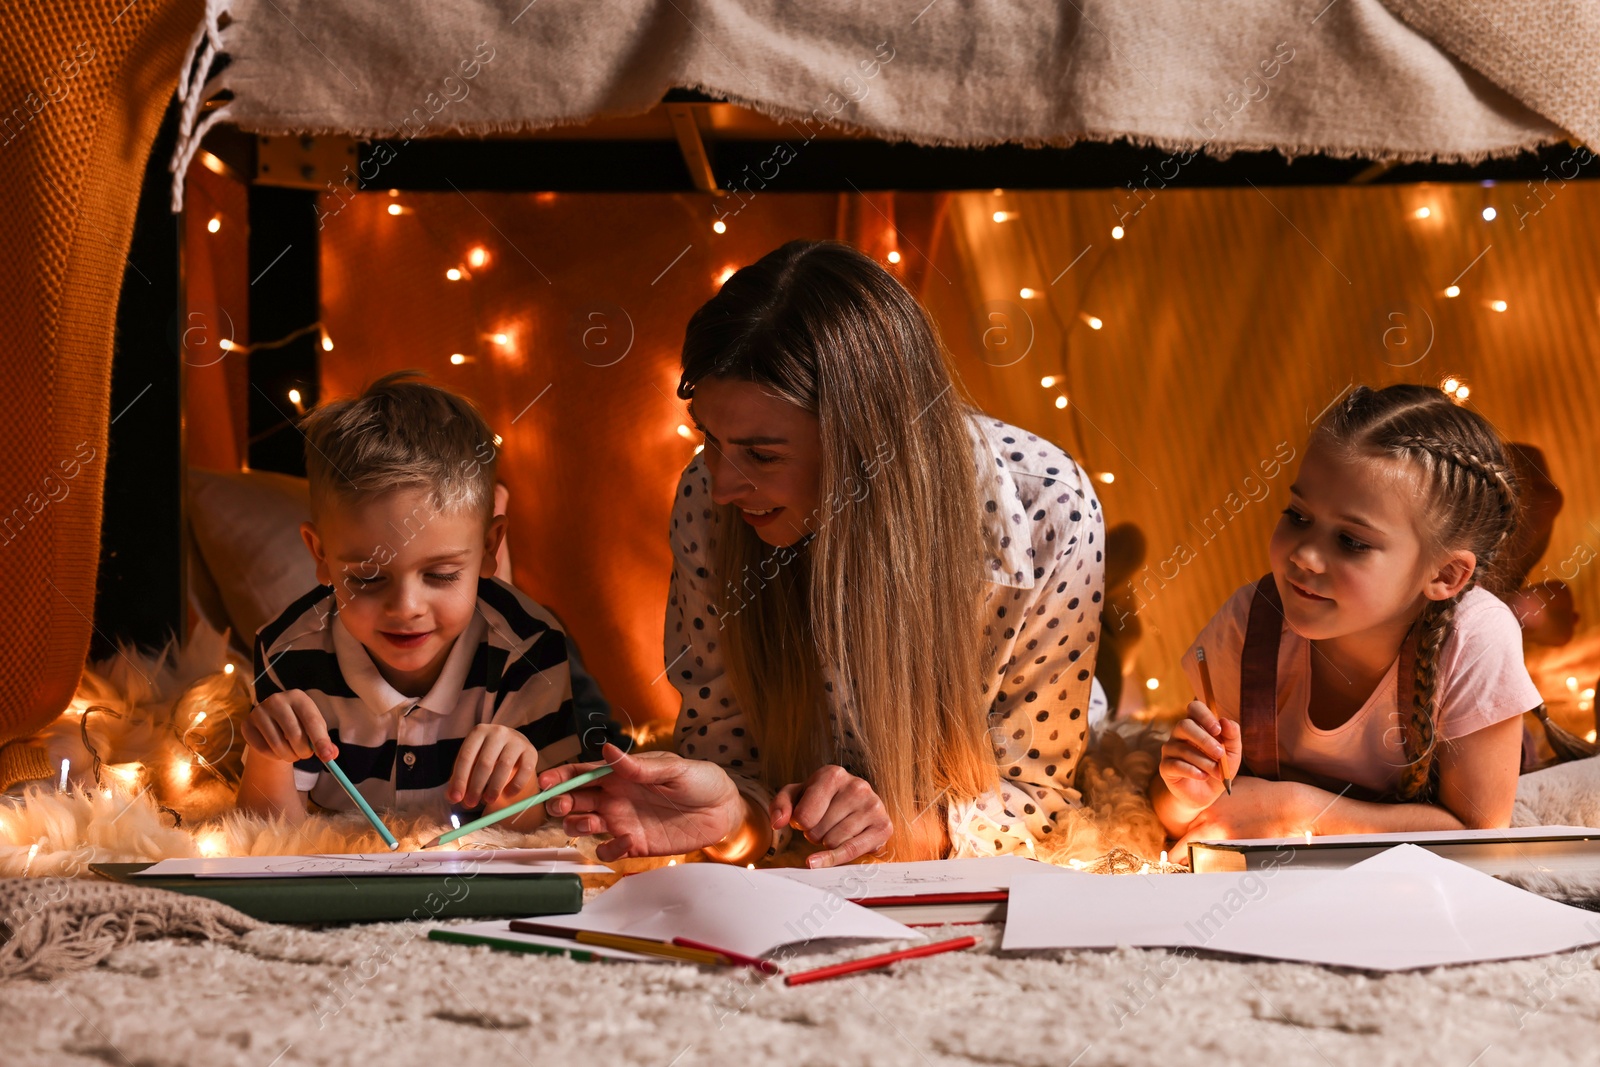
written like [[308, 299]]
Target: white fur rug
[[282, 995]]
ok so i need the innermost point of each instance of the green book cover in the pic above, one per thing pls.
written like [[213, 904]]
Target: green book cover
[[372, 898]]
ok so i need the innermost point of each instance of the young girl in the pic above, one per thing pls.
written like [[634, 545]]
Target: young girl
[[1372, 682]]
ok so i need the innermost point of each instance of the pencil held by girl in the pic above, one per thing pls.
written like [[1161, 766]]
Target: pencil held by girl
[[1374, 681]]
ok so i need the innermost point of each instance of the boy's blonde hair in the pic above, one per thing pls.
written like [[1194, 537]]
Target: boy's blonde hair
[[401, 433]]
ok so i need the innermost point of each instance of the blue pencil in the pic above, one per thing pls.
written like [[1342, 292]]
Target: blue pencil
[[520, 806], [361, 802]]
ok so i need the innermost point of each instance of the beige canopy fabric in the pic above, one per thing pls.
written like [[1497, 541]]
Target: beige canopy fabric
[[1395, 80]]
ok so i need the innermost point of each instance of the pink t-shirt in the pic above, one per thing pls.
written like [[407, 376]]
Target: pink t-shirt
[[1482, 680]]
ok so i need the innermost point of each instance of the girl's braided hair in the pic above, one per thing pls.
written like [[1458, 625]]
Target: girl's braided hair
[[1470, 495]]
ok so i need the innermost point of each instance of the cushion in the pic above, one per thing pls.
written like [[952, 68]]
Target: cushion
[[246, 526]]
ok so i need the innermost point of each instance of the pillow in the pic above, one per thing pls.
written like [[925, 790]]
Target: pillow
[[246, 525]]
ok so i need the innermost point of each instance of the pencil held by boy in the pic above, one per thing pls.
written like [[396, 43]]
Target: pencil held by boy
[[434, 685]]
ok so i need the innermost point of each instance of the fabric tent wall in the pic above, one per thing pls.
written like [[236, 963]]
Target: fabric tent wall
[[1232, 317], [84, 85]]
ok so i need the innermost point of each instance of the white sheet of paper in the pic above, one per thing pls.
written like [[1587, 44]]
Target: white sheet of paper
[[865, 881], [471, 862], [1408, 908], [729, 907], [1403, 909], [1141, 910]]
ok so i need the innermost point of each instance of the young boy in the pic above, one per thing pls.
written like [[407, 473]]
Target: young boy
[[434, 685]]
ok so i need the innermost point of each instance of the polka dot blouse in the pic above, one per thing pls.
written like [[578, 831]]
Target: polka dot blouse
[[1045, 534]]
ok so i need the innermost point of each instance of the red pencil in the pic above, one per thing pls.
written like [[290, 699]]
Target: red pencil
[[764, 966], [873, 962]]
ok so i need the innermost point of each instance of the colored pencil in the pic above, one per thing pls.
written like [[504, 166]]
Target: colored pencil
[[1211, 702], [869, 963], [642, 945], [361, 802], [520, 806], [764, 966]]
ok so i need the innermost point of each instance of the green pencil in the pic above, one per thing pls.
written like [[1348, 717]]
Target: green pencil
[[520, 806], [361, 802]]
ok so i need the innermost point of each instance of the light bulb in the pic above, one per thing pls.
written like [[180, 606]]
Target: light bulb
[[498, 440], [227, 668], [1093, 321], [477, 257], [1106, 477], [226, 345], [1047, 381], [1026, 293], [1489, 214], [327, 342], [893, 257], [1116, 235], [719, 227], [1152, 683], [1061, 402], [727, 272], [684, 431], [1452, 291], [1308, 837], [699, 448], [501, 339], [453, 274], [1498, 305], [294, 396], [1004, 216], [395, 209], [1450, 385], [1463, 393], [215, 224], [1572, 684], [199, 717], [1422, 212], [457, 358]]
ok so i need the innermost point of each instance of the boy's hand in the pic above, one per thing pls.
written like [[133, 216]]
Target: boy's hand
[[1203, 749], [495, 762], [288, 726]]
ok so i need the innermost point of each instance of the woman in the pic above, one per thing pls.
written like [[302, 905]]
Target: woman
[[884, 603]]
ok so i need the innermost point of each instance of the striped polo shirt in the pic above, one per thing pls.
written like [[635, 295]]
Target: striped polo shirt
[[510, 667]]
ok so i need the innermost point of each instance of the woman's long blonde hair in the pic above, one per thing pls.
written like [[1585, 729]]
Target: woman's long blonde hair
[[882, 596]]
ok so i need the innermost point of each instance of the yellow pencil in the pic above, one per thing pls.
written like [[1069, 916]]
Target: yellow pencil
[[643, 945], [1211, 702]]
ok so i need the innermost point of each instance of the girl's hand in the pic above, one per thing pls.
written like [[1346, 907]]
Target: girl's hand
[[1258, 808], [1203, 749], [495, 763], [834, 808], [287, 726], [652, 804]]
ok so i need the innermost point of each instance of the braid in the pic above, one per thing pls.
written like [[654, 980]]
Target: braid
[[1433, 629], [1470, 496]]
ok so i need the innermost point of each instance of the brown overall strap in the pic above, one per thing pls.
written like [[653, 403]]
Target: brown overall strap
[[1258, 681], [1258, 691]]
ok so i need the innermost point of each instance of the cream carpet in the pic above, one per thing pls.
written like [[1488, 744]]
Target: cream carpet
[[383, 994]]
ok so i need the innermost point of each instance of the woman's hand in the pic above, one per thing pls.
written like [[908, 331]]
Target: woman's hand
[[834, 808], [1202, 751], [652, 804]]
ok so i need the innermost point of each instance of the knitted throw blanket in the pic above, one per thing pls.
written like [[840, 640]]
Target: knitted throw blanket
[[52, 926]]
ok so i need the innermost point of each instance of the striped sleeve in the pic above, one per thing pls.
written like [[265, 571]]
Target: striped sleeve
[[278, 668]]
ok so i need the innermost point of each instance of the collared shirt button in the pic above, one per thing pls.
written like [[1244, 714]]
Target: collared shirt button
[[410, 759]]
